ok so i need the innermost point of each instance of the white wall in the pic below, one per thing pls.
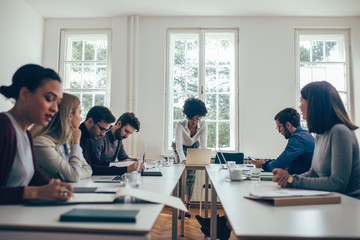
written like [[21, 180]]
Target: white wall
[[266, 72], [21, 41]]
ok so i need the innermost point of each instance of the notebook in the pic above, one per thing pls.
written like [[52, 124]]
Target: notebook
[[285, 197], [196, 156], [99, 215]]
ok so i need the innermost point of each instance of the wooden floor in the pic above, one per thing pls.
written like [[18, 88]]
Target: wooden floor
[[162, 227]]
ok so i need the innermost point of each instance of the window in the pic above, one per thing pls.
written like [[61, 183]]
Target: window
[[324, 55], [85, 66], [202, 64]]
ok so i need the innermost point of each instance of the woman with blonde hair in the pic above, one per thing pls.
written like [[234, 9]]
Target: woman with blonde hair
[[57, 146]]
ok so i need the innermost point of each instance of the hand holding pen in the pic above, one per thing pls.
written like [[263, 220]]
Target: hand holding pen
[[64, 191]]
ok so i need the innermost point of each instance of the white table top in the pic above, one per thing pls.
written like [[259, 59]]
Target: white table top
[[46, 218], [256, 219], [164, 184]]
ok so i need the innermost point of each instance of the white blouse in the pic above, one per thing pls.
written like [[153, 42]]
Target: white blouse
[[182, 136]]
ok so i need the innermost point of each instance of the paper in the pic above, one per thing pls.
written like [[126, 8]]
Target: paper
[[121, 164], [170, 201], [288, 193], [107, 190]]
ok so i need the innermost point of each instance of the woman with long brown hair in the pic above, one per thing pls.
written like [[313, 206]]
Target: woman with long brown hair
[[336, 161]]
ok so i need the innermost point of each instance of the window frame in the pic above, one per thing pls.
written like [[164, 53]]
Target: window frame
[[347, 47], [64, 34], [234, 125]]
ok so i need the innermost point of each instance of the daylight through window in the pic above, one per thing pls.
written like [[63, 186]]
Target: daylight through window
[[323, 55], [202, 64], [85, 67]]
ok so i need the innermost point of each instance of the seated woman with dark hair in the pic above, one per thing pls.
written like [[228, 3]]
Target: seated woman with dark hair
[[37, 92], [336, 161], [190, 133]]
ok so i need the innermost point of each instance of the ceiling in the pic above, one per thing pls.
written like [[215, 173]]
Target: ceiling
[[112, 8]]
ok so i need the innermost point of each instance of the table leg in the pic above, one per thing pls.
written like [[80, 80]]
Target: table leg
[[213, 220], [206, 207], [175, 215], [182, 214]]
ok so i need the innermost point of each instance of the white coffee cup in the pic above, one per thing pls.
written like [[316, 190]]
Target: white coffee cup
[[131, 179], [232, 164], [235, 173]]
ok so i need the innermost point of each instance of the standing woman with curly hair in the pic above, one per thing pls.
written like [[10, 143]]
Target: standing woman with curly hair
[[37, 92], [190, 133], [336, 161]]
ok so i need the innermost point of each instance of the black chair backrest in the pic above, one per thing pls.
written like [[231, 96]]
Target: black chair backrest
[[238, 157]]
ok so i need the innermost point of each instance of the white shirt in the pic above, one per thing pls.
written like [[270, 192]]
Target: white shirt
[[182, 136], [22, 170]]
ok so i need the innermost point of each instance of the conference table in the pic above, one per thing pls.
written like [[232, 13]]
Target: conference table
[[253, 219], [42, 222]]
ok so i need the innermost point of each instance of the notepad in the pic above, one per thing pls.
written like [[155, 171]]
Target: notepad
[[99, 215], [285, 197]]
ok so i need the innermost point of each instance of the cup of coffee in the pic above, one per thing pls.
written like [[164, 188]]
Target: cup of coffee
[[131, 179], [232, 164], [235, 174]]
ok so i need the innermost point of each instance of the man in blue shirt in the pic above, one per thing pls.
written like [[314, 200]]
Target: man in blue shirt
[[297, 156]]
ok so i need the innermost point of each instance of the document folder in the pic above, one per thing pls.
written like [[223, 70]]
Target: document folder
[[293, 201], [99, 215]]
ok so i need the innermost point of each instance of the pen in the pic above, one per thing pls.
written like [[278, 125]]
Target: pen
[[63, 191], [60, 176]]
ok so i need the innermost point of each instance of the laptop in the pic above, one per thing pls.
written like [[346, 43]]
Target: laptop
[[225, 165], [117, 179], [197, 156]]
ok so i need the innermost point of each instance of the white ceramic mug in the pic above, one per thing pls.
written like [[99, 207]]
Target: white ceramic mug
[[235, 173], [232, 164]]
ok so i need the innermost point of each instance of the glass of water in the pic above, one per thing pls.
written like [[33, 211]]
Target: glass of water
[[255, 174], [159, 163]]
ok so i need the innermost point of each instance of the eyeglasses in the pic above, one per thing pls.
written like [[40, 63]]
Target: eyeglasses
[[195, 120], [102, 129]]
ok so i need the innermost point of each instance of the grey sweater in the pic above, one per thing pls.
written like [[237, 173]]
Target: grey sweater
[[336, 163]]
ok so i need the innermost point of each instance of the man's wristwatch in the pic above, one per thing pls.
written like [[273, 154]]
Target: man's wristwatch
[[290, 179]]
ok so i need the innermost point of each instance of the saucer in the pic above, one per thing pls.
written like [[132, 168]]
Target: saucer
[[236, 179]]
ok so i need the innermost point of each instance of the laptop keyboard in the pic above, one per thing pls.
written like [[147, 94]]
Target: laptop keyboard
[[117, 178]]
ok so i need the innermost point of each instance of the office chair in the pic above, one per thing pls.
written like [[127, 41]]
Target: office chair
[[238, 157]]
